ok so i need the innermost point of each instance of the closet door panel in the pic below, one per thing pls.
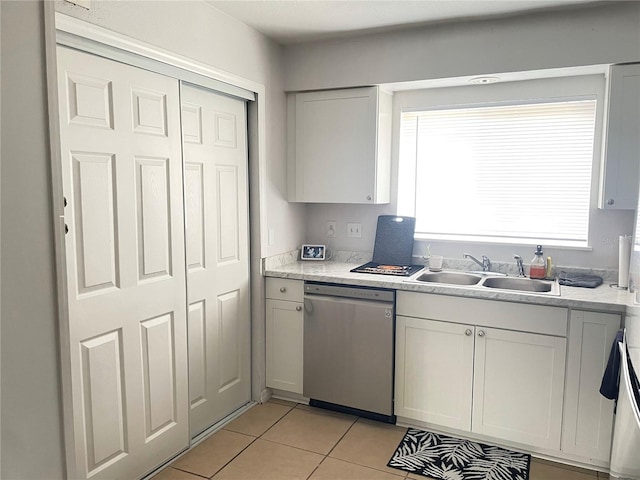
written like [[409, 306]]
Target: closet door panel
[[103, 389], [124, 347], [153, 219], [215, 153], [95, 225], [194, 186], [160, 398], [229, 344], [197, 354], [229, 227]]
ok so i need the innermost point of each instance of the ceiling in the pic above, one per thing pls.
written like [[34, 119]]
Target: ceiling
[[295, 21]]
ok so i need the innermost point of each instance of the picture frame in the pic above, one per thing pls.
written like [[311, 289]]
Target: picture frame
[[313, 252]]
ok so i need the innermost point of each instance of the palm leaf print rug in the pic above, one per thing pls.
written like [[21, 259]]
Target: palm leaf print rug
[[447, 458]]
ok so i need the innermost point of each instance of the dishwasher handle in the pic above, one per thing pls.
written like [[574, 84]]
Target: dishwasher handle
[[308, 305]]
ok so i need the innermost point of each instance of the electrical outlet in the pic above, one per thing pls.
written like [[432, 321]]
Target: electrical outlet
[[354, 230], [331, 228]]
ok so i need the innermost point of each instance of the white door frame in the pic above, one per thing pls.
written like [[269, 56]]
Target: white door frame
[[256, 116]]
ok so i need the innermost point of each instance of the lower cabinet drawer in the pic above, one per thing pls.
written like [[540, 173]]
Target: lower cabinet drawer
[[284, 289]]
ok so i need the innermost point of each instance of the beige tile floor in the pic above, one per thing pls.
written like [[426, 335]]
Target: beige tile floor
[[282, 440]]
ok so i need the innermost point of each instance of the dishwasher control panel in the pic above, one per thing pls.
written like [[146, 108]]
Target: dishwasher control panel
[[349, 291]]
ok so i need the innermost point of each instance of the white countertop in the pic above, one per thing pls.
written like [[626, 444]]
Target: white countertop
[[602, 298]]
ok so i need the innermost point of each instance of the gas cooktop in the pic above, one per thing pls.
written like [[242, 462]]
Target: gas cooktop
[[381, 269]]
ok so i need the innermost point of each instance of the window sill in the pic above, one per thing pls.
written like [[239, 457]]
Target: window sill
[[548, 243]]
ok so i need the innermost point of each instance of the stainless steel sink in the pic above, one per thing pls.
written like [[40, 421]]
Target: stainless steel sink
[[522, 285], [451, 278], [492, 280]]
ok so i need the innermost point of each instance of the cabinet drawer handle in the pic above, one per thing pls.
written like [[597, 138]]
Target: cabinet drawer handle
[[283, 289], [481, 333], [299, 308], [611, 201], [368, 197], [468, 332]]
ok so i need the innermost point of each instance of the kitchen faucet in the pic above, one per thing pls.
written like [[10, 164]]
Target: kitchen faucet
[[485, 264], [520, 265]]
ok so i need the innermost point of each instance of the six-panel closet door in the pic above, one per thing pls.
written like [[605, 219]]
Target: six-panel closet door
[[216, 206], [127, 330], [139, 357]]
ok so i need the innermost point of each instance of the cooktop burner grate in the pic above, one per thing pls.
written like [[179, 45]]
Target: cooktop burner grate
[[380, 269]]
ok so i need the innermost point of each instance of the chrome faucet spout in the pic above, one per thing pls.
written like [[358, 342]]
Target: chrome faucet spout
[[520, 265], [485, 263]]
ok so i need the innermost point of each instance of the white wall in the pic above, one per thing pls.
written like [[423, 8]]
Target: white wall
[[196, 30], [588, 36], [32, 443]]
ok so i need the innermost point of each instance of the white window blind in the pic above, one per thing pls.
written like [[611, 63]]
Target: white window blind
[[512, 173]]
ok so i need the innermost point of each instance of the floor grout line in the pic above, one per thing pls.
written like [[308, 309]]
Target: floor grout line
[[343, 435], [324, 456], [235, 456], [252, 441], [276, 422], [185, 471], [317, 467]]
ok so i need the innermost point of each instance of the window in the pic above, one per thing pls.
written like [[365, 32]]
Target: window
[[512, 172]]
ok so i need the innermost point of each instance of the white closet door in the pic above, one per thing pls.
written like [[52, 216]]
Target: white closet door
[[215, 155], [122, 178]]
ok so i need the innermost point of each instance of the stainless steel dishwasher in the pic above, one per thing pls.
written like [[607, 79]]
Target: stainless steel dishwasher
[[349, 349]]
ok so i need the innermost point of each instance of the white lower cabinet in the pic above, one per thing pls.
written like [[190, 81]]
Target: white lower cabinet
[[588, 416], [434, 371], [284, 331], [474, 377], [518, 386]]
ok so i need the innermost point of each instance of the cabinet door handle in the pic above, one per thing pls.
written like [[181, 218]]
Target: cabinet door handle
[[481, 333], [468, 332], [283, 289], [611, 201], [299, 308], [368, 197]]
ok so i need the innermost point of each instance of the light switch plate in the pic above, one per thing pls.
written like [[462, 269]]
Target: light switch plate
[[354, 230]]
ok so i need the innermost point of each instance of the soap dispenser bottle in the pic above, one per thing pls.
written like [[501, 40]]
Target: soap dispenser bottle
[[538, 268]]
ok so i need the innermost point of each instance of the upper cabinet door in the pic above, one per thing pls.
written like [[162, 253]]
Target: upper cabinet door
[[339, 146], [620, 173]]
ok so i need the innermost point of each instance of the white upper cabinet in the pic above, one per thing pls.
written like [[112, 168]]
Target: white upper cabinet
[[619, 183], [339, 146]]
